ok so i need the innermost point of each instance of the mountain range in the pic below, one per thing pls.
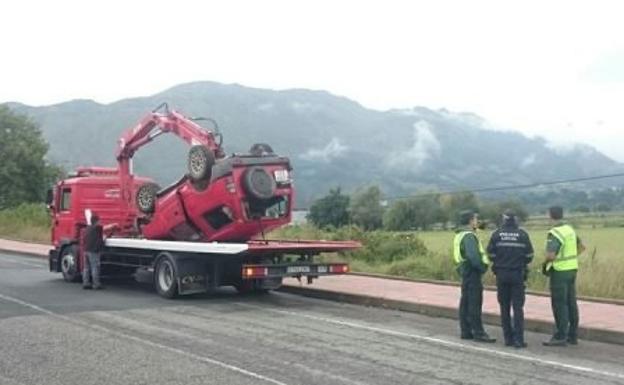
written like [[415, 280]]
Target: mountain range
[[331, 140]]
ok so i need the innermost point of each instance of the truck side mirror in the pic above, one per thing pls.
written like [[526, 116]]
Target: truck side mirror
[[49, 199]]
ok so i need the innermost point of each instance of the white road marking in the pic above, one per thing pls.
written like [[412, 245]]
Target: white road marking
[[143, 341], [439, 341], [334, 378]]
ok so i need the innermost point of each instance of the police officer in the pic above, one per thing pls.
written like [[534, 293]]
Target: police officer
[[561, 265], [510, 251], [471, 262]]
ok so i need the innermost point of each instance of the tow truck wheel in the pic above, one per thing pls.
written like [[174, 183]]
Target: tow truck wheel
[[200, 162], [146, 197], [165, 277], [69, 263]]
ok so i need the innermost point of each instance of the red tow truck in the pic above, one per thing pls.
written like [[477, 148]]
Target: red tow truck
[[204, 231]]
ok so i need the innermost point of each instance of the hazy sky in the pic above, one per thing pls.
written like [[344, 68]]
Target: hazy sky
[[553, 68]]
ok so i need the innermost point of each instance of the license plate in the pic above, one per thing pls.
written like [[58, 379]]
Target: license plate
[[321, 269], [281, 176], [298, 269]]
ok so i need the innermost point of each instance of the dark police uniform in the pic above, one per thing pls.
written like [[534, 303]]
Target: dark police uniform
[[510, 251]]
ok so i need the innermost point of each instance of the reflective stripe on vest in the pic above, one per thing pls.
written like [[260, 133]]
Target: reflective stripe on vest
[[457, 256], [567, 257]]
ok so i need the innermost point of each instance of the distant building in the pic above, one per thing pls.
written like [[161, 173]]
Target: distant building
[[299, 217]]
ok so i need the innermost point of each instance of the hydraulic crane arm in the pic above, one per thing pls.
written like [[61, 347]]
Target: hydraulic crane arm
[[151, 126], [155, 124]]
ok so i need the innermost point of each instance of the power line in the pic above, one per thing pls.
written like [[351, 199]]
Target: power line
[[512, 187], [502, 188]]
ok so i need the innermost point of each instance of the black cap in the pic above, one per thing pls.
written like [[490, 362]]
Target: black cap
[[509, 213], [509, 217], [556, 212], [466, 216]]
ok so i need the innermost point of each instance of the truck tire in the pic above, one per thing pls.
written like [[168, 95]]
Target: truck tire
[[199, 163], [69, 263], [146, 197], [260, 149], [165, 277], [258, 183]]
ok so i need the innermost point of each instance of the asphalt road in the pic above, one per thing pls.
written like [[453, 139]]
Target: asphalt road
[[52, 332]]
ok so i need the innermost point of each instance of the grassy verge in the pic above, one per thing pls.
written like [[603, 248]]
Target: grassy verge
[[428, 255], [29, 222]]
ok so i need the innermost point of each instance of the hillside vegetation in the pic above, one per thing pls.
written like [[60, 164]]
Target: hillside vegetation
[[332, 141]]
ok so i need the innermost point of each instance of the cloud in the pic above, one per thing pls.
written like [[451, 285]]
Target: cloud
[[265, 107], [528, 161], [425, 146], [333, 149], [301, 107]]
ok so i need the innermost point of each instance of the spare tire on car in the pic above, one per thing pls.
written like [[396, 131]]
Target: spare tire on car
[[200, 161], [258, 183]]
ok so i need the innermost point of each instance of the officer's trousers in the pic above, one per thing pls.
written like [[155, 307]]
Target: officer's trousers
[[510, 292], [563, 301], [470, 304]]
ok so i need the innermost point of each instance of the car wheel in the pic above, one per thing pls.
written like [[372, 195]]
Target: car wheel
[[200, 162], [146, 197], [260, 149]]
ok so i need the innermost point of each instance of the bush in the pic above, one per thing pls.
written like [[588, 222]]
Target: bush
[[28, 221], [379, 247]]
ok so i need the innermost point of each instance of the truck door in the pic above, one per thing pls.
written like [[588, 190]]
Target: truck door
[[63, 219]]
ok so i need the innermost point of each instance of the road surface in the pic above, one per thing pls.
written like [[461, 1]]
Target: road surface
[[52, 332]]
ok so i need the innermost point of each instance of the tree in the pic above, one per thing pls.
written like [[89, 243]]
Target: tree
[[414, 213], [24, 172], [331, 210], [365, 208], [453, 204], [491, 212]]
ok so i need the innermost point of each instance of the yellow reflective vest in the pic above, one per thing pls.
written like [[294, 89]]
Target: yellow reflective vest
[[458, 257], [567, 257]]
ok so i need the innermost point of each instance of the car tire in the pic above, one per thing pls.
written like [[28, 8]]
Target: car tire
[[260, 149], [258, 183], [146, 197], [199, 163]]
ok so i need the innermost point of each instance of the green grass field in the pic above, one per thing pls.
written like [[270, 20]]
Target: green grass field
[[601, 271]]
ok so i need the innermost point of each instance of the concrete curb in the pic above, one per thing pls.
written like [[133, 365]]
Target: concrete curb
[[609, 301], [586, 333], [24, 253]]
